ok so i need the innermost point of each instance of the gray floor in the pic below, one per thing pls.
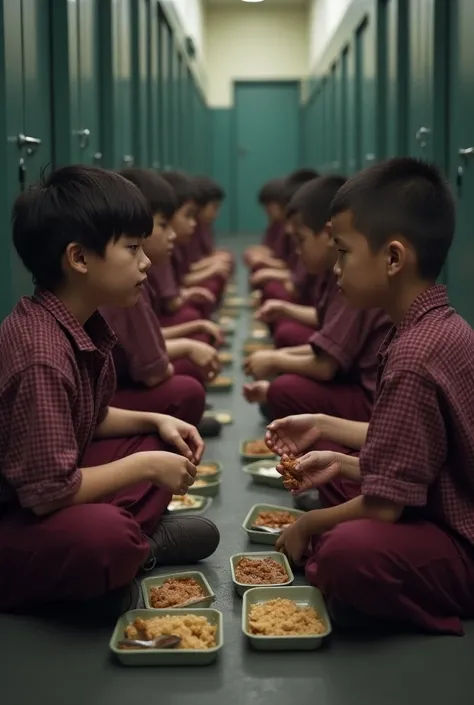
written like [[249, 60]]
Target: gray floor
[[44, 663]]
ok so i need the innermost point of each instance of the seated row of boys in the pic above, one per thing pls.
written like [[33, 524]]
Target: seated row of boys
[[88, 467], [390, 450]]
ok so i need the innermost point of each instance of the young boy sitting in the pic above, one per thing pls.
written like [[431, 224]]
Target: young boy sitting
[[210, 198], [336, 372], [146, 379], [271, 199], [83, 486], [401, 551]]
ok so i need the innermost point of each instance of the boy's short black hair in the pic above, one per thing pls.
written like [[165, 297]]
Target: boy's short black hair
[[208, 190], [313, 201], [295, 181], [183, 186], [156, 190], [82, 204], [272, 192], [405, 197]]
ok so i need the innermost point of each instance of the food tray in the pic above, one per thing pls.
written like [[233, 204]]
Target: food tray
[[200, 506], [254, 470], [275, 555], [216, 385], [261, 536], [158, 580], [217, 466], [226, 358], [225, 418], [167, 657], [303, 596], [210, 489], [251, 346], [250, 456]]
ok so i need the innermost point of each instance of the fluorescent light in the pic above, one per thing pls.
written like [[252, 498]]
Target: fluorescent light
[[252, 0]]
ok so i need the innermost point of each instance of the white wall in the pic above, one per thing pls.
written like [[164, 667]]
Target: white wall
[[325, 16], [253, 42], [191, 15]]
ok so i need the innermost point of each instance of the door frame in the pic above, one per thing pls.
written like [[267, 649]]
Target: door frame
[[236, 84]]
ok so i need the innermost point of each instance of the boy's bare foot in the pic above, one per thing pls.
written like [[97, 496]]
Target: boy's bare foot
[[256, 392]]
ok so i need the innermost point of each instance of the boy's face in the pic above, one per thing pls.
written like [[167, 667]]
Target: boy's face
[[315, 249], [184, 222], [159, 245], [274, 211], [209, 213], [363, 276], [118, 276]]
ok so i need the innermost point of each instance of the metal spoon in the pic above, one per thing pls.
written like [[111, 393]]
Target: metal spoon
[[169, 641], [269, 529]]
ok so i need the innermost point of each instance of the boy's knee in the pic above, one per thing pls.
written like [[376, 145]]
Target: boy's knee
[[188, 399]]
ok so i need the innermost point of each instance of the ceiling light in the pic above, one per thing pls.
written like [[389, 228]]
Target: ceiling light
[[252, 0]]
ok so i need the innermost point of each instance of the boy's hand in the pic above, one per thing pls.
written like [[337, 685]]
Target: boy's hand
[[294, 541], [293, 435], [261, 364], [184, 437], [271, 311], [171, 471], [205, 357], [261, 277], [314, 469], [213, 330], [199, 294]]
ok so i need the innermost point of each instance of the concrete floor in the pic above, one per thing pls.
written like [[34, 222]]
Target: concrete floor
[[46, 663]]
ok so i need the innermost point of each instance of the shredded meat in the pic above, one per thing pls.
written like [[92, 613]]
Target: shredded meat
[[257, 448], [290, 477], [258, 571], [275, 520], [174, 592]]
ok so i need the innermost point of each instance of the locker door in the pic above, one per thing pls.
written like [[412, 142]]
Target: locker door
[[365, 94], [396, 79], [338, 133], [141, 81], [422, 63], [89, 135], [175, 114], [461, 259], [122, 77], [155, 89], [350, 122], [165, 94]]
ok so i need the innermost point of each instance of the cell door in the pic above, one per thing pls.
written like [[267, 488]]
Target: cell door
[[155, 88], [422, 78], [461, 259], [267, 143], [395, 89], [141, 81], [122, 78], [28, 118], [89, 132], [365, 95], [165, 94]]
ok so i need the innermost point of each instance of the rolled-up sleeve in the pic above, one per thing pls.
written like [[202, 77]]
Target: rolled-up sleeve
[[406, 444]]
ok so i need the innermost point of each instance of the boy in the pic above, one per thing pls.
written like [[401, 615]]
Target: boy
[[198, 286], [402, 550], [145, 376], [271, 199], [83, 485], [336, 372], [210, 198], [285, 278]]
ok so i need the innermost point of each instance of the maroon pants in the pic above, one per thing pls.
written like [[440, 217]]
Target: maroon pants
[[81, 552], [185, 314], [412, 572], [293, 394], [275, 290], [184, 367], [288, 333], [181, 397]]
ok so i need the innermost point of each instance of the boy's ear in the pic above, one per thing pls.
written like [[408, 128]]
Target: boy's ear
[[328, 228], [76, 258]]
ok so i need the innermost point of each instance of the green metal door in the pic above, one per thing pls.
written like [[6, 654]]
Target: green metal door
[[461, 260], [155, 88], [267, 143], [141, 89], [122, 125], [165, 94], [28, 121], [89, 135], [349, 117], [394, 84], [422, 67], [365, 94]]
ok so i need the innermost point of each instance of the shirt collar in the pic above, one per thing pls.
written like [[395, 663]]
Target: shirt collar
[[95, 335], [434, 297]]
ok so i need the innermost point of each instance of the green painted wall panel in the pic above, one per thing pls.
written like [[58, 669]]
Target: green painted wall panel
[[221, 126]]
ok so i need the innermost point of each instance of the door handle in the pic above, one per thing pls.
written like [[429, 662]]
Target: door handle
[[370, 157], [26, 141], [422, 132], [84, 136], [128, 159], [98, 158], [467, 152]]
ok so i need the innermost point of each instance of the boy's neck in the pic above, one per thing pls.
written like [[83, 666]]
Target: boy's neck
[[77, 304], [403, 299]]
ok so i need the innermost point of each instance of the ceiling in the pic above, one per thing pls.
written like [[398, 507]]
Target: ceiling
[[287, 3]]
